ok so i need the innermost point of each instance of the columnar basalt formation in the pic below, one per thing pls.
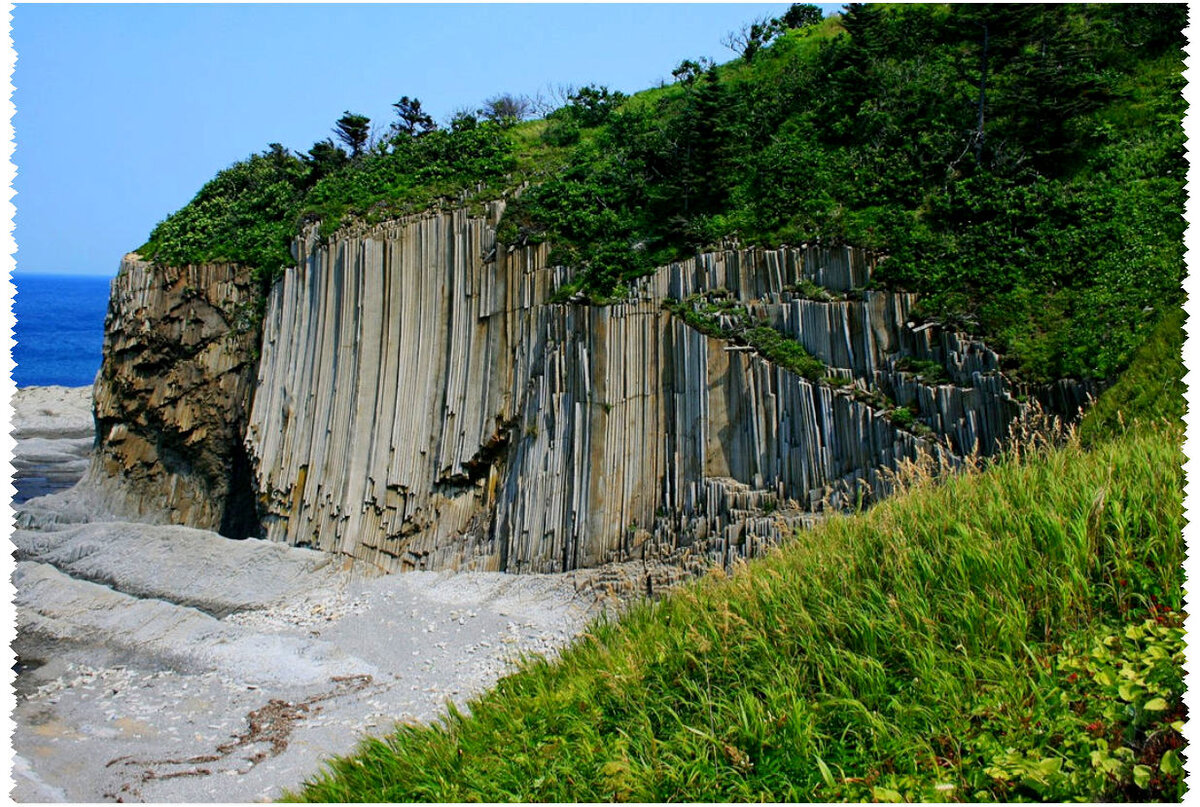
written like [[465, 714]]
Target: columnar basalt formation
[[425, 399], [173, 396], [422, 403]]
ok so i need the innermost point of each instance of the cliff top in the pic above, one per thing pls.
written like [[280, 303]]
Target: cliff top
[[1021, 167]]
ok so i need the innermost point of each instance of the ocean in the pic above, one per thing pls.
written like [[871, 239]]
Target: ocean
[[60, 328]]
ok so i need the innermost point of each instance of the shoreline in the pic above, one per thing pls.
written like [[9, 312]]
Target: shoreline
[[142, 648]]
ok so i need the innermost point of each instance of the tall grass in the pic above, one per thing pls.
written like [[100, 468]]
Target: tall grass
[[917, 651]]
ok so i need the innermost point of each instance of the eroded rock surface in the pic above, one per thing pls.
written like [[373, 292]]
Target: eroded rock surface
[[168, 684], [173, 396], [423, 403], [55, 433]]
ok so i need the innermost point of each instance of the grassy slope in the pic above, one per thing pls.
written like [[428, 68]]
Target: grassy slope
[[1152, 386], [980, 638]]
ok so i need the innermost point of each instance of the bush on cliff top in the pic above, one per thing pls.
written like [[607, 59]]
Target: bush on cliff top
[[1055, 231]]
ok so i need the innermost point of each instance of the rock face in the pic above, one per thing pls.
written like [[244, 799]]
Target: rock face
[[174, 394], [422, 404], [423, 401]]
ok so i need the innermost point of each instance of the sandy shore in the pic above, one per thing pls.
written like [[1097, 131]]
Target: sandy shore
[[54, 431], [171, 664]]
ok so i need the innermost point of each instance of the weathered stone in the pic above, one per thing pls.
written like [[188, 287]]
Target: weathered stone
[[54, 433], [422, 404], [173, 396]]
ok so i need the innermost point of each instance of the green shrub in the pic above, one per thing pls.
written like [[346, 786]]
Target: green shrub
[[1151, 389], [739, 327], [902, 416], [561, 133]]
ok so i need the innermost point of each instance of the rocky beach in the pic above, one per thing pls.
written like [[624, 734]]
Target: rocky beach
[[165, 663], [54, 432]]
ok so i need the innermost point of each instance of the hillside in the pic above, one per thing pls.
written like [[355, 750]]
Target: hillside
[[1013, 633], [769, 351], [1053, 230]]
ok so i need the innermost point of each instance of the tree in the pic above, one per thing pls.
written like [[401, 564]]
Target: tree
[[505, 108], [592, 105], [463, 119], [353, 130], [324, 158], [752, 37], [801, 15], [414, 121], [279, 156], [688, 71]]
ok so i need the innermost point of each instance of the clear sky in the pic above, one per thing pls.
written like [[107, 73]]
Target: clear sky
[[123, 112]]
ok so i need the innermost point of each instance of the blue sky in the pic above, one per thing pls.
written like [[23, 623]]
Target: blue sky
[[123, 112]]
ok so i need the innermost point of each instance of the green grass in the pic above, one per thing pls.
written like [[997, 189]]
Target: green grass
[[1003, 634], [1151, 387]]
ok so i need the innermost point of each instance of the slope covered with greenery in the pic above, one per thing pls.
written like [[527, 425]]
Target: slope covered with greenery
[[1022, 166], [1013, 633]]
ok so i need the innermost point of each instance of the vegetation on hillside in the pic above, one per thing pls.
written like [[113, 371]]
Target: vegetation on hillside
[[1151, 387], [1032, 193], [722, 317], [1054, 229], [1007, 634]]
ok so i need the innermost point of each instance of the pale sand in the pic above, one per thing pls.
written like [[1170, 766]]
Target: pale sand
[[171, 664]]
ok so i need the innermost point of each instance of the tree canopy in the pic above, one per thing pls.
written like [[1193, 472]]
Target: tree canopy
[[353, 130]]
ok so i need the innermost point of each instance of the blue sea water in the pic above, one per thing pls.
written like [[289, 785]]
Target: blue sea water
[[60, 328]]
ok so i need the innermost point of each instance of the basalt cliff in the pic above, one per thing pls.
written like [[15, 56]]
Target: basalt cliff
[[417, 395]]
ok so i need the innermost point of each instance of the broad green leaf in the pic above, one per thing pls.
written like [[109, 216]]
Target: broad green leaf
[[1141, 776], [1170, 763], [1156, 705], [886, 795]]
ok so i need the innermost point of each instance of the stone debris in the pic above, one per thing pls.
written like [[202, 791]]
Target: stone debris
[[55, 608], [102, 716]]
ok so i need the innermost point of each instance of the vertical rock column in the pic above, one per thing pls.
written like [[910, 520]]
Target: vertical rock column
[[394, 359], [173, 396]]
